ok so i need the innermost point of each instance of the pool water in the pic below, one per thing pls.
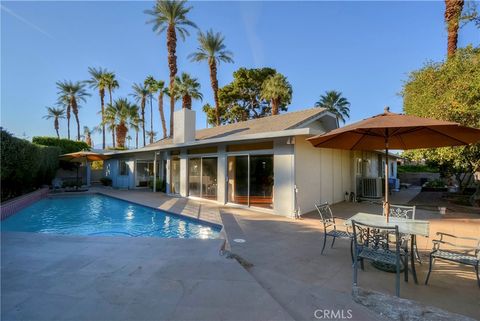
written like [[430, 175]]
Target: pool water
[[100, 215]]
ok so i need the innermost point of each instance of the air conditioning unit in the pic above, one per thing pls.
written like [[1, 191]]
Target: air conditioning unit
[[371, 187]]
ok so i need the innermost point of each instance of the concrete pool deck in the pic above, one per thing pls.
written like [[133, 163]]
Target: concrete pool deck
[[46, 277], [148, 278]]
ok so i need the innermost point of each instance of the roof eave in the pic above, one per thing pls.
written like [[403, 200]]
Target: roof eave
[[276, 134]]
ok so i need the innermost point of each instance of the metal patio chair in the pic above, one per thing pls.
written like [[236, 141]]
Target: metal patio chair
[[380, 244], [328, 220], [462, 254], [406, 212]]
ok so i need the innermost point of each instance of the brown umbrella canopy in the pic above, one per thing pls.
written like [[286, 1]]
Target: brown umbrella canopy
[[399, 132], [83, 156]]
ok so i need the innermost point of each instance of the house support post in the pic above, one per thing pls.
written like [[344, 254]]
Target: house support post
[[155, 172]]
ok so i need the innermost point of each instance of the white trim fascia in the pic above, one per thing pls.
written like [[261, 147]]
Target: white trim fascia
[[228, 139]]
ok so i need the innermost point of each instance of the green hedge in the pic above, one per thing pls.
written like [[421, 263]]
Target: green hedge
[[417, 169], [25, 166], [66, 145]]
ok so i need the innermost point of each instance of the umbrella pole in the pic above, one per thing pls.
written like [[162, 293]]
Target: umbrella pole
[[386, 205]]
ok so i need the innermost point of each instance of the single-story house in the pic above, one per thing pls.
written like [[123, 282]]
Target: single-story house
[[263, 163]]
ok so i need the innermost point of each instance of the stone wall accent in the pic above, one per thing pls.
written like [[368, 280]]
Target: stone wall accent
[[402, 309], [11, 207]]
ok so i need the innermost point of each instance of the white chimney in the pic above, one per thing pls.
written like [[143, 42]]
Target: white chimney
[[184, 126]]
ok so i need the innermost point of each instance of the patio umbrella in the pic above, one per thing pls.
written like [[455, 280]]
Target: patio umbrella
[[82, 156], [396, 131]]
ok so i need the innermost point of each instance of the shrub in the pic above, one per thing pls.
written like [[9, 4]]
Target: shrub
[[66, 145], [417, 169], [25, 166], [106, 181], [436, 183], [160, 185]]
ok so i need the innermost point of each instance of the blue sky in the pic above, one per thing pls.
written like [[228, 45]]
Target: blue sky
[[364, 49]]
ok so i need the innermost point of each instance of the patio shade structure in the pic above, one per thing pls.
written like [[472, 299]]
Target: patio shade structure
[[396, 131], [82, 156]]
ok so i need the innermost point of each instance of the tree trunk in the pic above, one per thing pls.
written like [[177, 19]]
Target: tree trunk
[[143, 120], [102, 102], [275, 103], [172, 64], [68, 120], [213, 80], [187, 102], [151, 116], [162, 115], [113, 136], [121, 130], [453, 11], [113, 127], [88, 140], [136, 139], [55, 124], [75, 113]]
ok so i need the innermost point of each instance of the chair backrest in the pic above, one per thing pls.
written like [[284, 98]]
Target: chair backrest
[[401, 211], [376, 237], [325, 212]]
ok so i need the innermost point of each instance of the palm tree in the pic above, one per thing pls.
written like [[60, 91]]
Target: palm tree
[[74, 92], [162, 90], [87, 133], [99, 81], [278, 91], [213, 50], [141, 94], [56, 114], [187, 88], [135, 122], [152, 136], [171, 16], [64, 103], [151, 84], [453, 12], [120, 114], [335, 103], [111, 83]]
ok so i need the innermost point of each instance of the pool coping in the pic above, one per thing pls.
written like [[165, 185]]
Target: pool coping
[[13, 206]]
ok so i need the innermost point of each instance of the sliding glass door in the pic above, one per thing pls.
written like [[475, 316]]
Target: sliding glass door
[[250, 180], [175, 175], [209, 178], [194, 172], [144, 173], [202, 177], [238, 179]]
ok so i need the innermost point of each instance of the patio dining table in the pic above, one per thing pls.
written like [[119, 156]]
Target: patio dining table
[[405, 226]]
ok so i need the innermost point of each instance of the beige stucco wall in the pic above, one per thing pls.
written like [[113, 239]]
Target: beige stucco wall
[[321, 175], [283, 172]]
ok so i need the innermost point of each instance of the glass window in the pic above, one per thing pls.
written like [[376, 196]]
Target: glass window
[[194, 172], [261, 181], [209, 177], [250, 180], [202, 177], [144, 173], [123, 168], [175, 175], [238, 179]]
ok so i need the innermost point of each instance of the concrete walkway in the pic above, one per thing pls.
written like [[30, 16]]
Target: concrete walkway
[[198, 209], [47, 277]]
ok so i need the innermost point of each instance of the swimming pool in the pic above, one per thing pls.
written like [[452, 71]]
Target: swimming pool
[[101, 215]]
